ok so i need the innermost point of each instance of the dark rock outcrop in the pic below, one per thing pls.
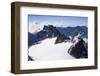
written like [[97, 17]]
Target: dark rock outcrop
[[61, 38], [30, 58], [79, 50]]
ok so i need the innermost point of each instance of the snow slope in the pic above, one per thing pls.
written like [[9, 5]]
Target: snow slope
[[47, 50]]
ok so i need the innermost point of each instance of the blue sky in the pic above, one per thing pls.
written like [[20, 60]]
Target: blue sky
[[38, 21]]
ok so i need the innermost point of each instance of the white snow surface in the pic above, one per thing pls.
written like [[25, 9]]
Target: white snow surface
[[47, 50]]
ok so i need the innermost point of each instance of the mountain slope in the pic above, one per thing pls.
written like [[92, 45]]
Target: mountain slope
[[48, 32], [62, 34], [47, 50]]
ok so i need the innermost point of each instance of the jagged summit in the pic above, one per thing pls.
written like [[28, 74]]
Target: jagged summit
[[62, 34], [49, 31]]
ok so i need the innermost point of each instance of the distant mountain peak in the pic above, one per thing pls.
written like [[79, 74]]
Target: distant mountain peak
[[74, 31]]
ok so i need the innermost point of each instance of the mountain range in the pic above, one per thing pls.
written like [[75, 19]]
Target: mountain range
[[73, 31], [62, 34]]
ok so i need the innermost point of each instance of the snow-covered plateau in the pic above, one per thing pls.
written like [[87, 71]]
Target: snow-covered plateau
[[48, 50]]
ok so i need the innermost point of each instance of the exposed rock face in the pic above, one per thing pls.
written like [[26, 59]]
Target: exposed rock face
[[78, 50], [30, 58], [61, 38], [32, 39], [51, 31], [48, 31]]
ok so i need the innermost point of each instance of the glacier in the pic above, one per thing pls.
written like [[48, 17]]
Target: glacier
[[48, 50]]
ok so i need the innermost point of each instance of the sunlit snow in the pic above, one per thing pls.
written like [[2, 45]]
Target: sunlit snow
[[48, 50]]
